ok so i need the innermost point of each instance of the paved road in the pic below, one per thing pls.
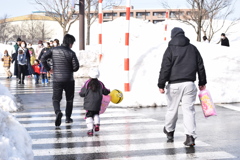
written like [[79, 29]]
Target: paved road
[[124, 133]]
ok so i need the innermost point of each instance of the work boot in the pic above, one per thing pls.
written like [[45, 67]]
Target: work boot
[[69, 120], [58, 120], [170, 135], [189, 141]]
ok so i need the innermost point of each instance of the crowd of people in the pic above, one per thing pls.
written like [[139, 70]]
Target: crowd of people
[[27, 61]]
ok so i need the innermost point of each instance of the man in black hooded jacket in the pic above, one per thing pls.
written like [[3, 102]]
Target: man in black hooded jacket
[[181, 61], [65, 63]]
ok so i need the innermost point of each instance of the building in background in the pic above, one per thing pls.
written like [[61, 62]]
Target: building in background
[[151, 15]]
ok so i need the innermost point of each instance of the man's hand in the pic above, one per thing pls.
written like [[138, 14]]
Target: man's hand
[[162, 91], [202, 87]]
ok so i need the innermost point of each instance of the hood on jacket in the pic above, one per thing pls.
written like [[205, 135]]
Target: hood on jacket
[[178, 37], [176, 31]]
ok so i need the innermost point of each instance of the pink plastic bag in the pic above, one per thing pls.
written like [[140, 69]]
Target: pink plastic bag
[[207, 104], [105, 103]]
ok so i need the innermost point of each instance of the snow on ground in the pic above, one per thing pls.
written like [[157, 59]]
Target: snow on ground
[[15, 142]]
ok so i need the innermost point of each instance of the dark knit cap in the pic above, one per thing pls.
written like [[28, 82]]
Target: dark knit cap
[[40, 42], [19, 39], [176, 31]]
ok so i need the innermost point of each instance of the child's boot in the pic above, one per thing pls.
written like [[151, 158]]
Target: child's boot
[[89, 121], [96, 122], [43, 80], [46, 81]]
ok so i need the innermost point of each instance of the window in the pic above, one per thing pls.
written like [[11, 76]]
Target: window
[[157, 21], [159, 14], [122, 14]]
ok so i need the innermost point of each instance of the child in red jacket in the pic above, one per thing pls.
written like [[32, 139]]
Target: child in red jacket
[[36, 68]]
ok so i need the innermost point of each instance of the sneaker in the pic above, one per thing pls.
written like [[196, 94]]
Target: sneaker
[[90, 132], [19, 82], [170, 135], [58, 120], [189, 141], [69, 120], [97, 127]]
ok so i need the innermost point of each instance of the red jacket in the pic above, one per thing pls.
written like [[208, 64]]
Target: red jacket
[[36, 68]]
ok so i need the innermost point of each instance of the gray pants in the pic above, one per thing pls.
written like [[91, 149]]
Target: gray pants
[[185, 93]]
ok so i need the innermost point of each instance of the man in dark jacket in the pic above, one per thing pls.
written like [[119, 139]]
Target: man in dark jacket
[[65, 63], [224, 40], [181, 61], [15, 55]]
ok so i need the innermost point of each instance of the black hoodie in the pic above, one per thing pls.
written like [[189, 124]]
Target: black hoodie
[[181, 61]]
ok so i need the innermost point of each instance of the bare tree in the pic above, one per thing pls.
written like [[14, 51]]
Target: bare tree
[[94, 6], [18, 30], [218, 14], [37, 29], [201, 10], [4, 29], [45, 32], [61, 11], [31, 29]]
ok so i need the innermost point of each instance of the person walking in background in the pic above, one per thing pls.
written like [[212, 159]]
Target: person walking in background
[[92, 92], [51, 43], [44, 72], [181, 61], [56, 43], [32, 54], [15, 55], [39, 48], [224, 40], [24, 66], [205, 40], [65, 63], [7, 64], [36, 68]]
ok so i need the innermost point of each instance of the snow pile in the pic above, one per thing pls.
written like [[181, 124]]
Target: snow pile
[[15, 142], [8, 101], [146, 50]]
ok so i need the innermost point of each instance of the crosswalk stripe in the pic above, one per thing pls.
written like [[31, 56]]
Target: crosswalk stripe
[[181, 156], [110, 121], [52, 117], [232, 107], [111, 128], [111, 148], [109, 110]]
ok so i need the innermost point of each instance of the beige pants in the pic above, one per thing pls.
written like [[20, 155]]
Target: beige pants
[[8, 72]]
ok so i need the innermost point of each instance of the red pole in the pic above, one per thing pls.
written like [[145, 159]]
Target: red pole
[[126, 59], [165, 28], [100, 21]]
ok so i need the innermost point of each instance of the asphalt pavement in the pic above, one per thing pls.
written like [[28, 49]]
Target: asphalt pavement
[[125, 133]]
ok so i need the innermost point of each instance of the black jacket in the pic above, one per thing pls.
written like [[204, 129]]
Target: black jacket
[[181, 61], [64, 61], [225, 42], [93, 100]]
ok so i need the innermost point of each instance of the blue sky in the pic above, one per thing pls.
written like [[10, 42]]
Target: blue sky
[[24, 7]]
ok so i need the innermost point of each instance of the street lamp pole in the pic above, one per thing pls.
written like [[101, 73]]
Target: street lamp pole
[[81, 25]]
